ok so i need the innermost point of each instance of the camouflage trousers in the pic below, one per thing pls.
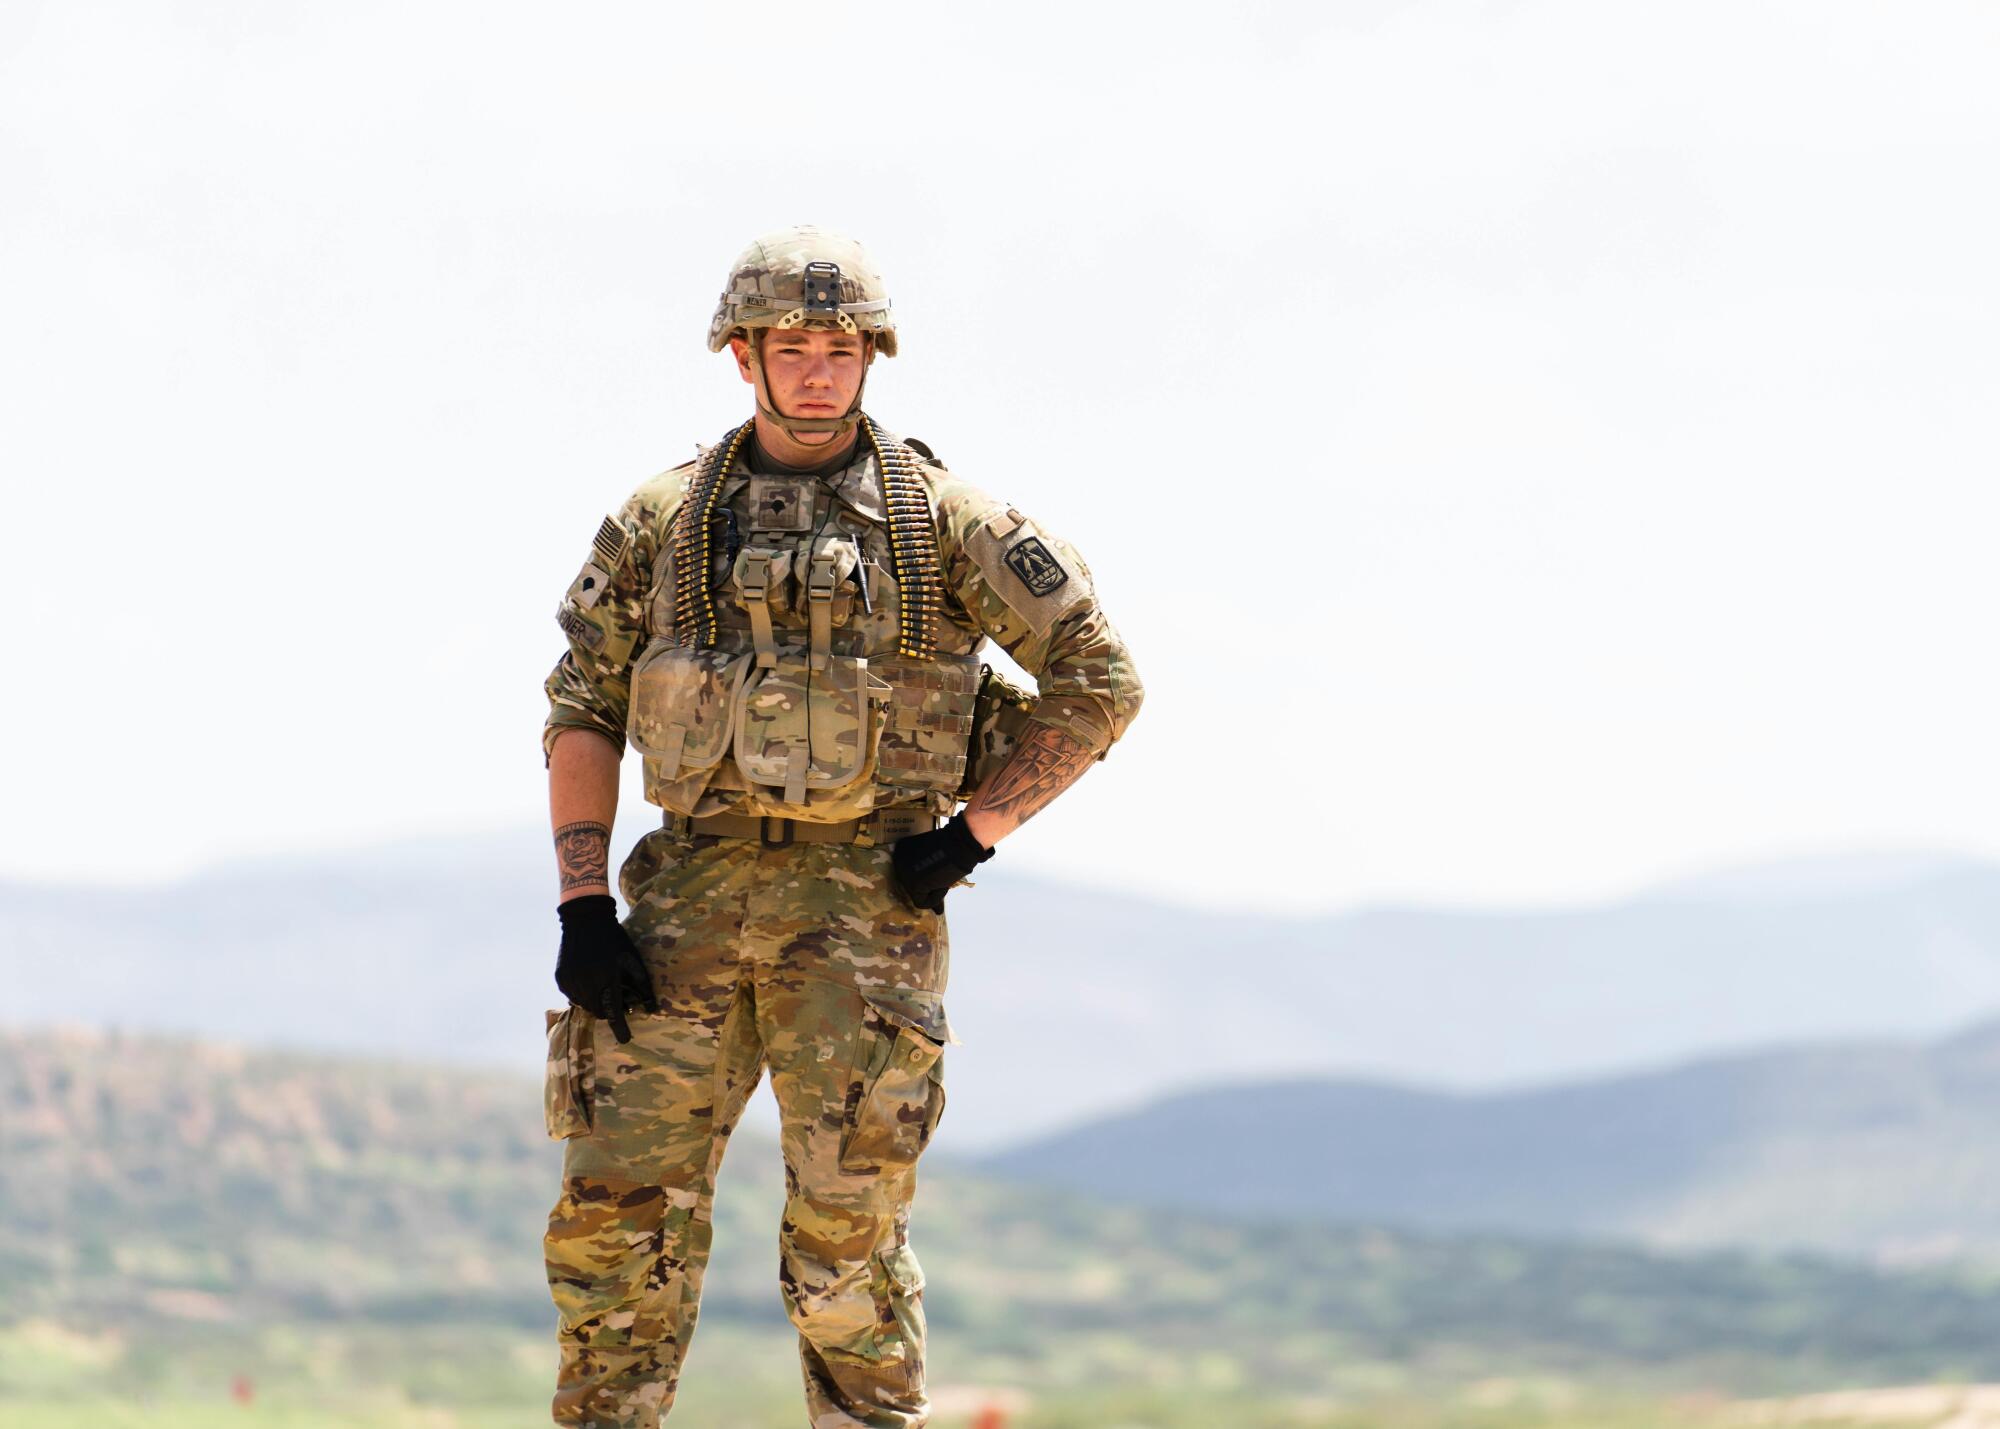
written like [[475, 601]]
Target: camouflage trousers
[[800, 960]]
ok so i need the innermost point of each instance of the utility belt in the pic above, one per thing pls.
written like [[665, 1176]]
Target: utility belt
[[878, 829]]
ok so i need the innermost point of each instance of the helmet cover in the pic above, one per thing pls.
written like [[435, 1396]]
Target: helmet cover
[[804, 277]]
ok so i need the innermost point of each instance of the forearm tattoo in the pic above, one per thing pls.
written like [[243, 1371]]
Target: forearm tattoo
[[1044, 764], [583, 854]]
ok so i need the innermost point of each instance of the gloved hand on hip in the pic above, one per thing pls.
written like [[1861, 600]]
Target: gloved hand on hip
[[597, 968], [925, 866]]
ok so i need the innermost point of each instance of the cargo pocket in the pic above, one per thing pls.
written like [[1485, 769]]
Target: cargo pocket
[[682, 698], [897, 1096], [805, 737], [566, 1078]]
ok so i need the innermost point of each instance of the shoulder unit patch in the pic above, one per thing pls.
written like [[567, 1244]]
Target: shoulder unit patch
[[1039, 571]]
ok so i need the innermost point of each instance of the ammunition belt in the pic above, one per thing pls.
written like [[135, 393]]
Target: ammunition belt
[[694, 603], [913, 543]]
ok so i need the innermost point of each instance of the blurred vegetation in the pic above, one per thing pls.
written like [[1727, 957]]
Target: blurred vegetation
[[359, 1243]]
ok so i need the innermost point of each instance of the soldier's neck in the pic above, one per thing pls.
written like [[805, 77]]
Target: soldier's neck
[[774, 452]]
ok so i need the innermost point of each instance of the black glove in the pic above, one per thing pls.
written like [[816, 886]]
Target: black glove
[[926, 865], [598, 969]]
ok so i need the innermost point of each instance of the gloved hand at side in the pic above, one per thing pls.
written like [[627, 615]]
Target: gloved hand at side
[[597, 967], [925, 866]]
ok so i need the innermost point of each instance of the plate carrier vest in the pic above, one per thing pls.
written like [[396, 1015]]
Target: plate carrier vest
[[805, 671]]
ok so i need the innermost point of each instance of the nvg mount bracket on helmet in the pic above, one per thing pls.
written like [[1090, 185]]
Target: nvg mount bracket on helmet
[[822, 293]]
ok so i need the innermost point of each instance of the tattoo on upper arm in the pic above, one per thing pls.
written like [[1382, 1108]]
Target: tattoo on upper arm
[[583, 854], [1045, 763]]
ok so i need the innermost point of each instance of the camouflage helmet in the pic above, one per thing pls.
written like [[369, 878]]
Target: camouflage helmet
[[802, 277]]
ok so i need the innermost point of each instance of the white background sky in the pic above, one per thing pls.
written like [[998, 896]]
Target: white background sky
[[1533, 448]]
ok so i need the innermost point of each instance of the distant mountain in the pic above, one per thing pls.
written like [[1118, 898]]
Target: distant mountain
[[1070, 1002], [1883, 1150], [238, 1207]]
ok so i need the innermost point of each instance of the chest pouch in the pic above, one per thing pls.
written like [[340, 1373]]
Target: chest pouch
[[762, 581], [680, 720], [828, 575], [806, 738]]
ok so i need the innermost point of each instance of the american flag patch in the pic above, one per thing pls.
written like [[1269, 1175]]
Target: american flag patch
[[610, 543]]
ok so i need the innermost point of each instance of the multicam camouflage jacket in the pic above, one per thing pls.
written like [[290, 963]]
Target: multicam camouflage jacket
[[792, 687]]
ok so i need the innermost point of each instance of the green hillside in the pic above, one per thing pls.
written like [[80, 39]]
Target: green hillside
[[1887, 1151], [355, 1234]]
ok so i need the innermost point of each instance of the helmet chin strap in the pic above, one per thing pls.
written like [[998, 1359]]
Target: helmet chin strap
[[796, 426]]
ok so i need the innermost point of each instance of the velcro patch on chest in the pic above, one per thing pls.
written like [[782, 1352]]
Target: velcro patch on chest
[[780, 504]]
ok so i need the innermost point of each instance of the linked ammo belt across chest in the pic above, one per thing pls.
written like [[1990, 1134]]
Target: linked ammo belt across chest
[[884, 826]]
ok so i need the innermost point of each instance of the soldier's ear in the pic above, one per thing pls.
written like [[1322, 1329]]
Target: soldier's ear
[[739, 347]]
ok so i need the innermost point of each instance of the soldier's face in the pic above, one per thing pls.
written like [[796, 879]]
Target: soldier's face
[[808, 372]]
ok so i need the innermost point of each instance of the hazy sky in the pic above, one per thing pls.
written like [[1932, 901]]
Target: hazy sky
[[1533, 448]]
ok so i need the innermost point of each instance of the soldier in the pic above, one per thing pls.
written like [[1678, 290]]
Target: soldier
[[786, 630]]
